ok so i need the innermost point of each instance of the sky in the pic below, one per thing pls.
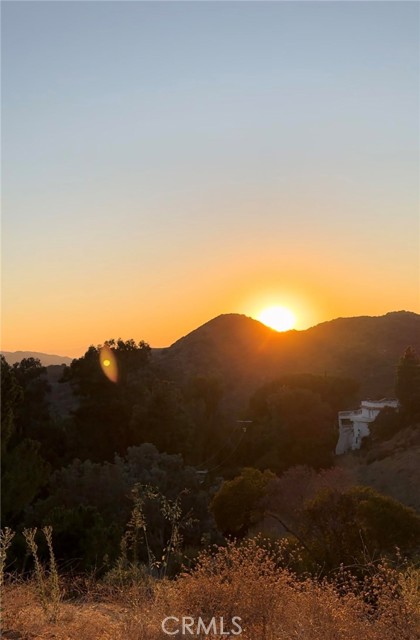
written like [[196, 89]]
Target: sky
[[166, 162]]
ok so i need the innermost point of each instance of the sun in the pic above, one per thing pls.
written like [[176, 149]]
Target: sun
[[278, 318]]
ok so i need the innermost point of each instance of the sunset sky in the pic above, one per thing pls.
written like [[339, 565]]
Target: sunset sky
[[166, 162]]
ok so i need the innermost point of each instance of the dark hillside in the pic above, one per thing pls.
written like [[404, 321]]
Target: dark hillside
[[61, 397], [246, 354]]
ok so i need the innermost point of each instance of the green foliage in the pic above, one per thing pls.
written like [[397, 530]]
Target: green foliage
[[24, 472], [387, 522], [83, 536], [11, 397], [407, 386], [137, 534], [338, 393], [130, 434], [24, 409], [26, 412], [162, 419], [285, 497], [357, 525], [206, 390], [203, 397], [102, 420], [139, 407], [291, 426], [126, 574], [236, 506], [87, 378], [386, 424], [89, 504], [33, 410]]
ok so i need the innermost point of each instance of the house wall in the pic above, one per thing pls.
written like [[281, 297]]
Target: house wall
[[353, 426], [345, 439]]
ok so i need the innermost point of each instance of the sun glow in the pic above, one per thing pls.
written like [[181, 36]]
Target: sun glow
[[278, 318]]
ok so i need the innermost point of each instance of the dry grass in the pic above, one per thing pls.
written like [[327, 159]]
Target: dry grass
[[234, 581], [390, 467], [24, 618]]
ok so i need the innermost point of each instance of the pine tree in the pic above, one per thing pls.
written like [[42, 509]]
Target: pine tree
[[408, 386]]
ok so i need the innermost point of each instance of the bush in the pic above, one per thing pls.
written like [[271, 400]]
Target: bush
[[249, 581], [128, 574], [386, 424]]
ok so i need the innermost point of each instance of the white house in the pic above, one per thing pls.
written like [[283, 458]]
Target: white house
[[354, 425]]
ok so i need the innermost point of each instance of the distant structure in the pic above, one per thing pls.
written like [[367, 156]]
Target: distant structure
[[354, 425]]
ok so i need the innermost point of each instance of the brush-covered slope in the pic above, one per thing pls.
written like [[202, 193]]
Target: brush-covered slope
[[246, 353], [391, 467]]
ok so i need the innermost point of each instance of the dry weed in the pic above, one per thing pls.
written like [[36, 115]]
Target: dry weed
[[247, 581]]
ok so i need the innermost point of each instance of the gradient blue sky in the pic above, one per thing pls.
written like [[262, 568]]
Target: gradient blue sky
[[164, 162]]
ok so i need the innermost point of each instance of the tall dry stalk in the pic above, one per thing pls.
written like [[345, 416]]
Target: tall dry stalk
[[6, 537], [136, 533], [47, 581], [53, 577]]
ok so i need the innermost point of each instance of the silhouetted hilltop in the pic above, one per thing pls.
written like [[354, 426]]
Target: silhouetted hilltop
[[224, 341], [45, 358], [246, 353]]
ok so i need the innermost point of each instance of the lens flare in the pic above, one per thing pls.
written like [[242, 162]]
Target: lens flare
[[108, 363]]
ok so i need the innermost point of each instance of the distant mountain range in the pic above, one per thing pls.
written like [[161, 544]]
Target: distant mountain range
[[246, 353], [45, 358]]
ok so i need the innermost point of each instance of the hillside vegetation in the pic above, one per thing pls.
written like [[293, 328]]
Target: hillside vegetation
[[247, 354], [201, 480], [391, 467], [248, 584]]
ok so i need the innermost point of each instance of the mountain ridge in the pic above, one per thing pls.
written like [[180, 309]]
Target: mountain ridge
[[245, 352], [242, 338], [47, 359]]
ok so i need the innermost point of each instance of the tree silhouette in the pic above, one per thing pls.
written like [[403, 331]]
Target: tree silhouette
[[408, 385], [23, 470], [237, 504], [356, 525], [291, 426]]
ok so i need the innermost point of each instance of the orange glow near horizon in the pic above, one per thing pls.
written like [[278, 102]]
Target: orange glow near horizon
[[69, 330], [66, 322], [252, 187]]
